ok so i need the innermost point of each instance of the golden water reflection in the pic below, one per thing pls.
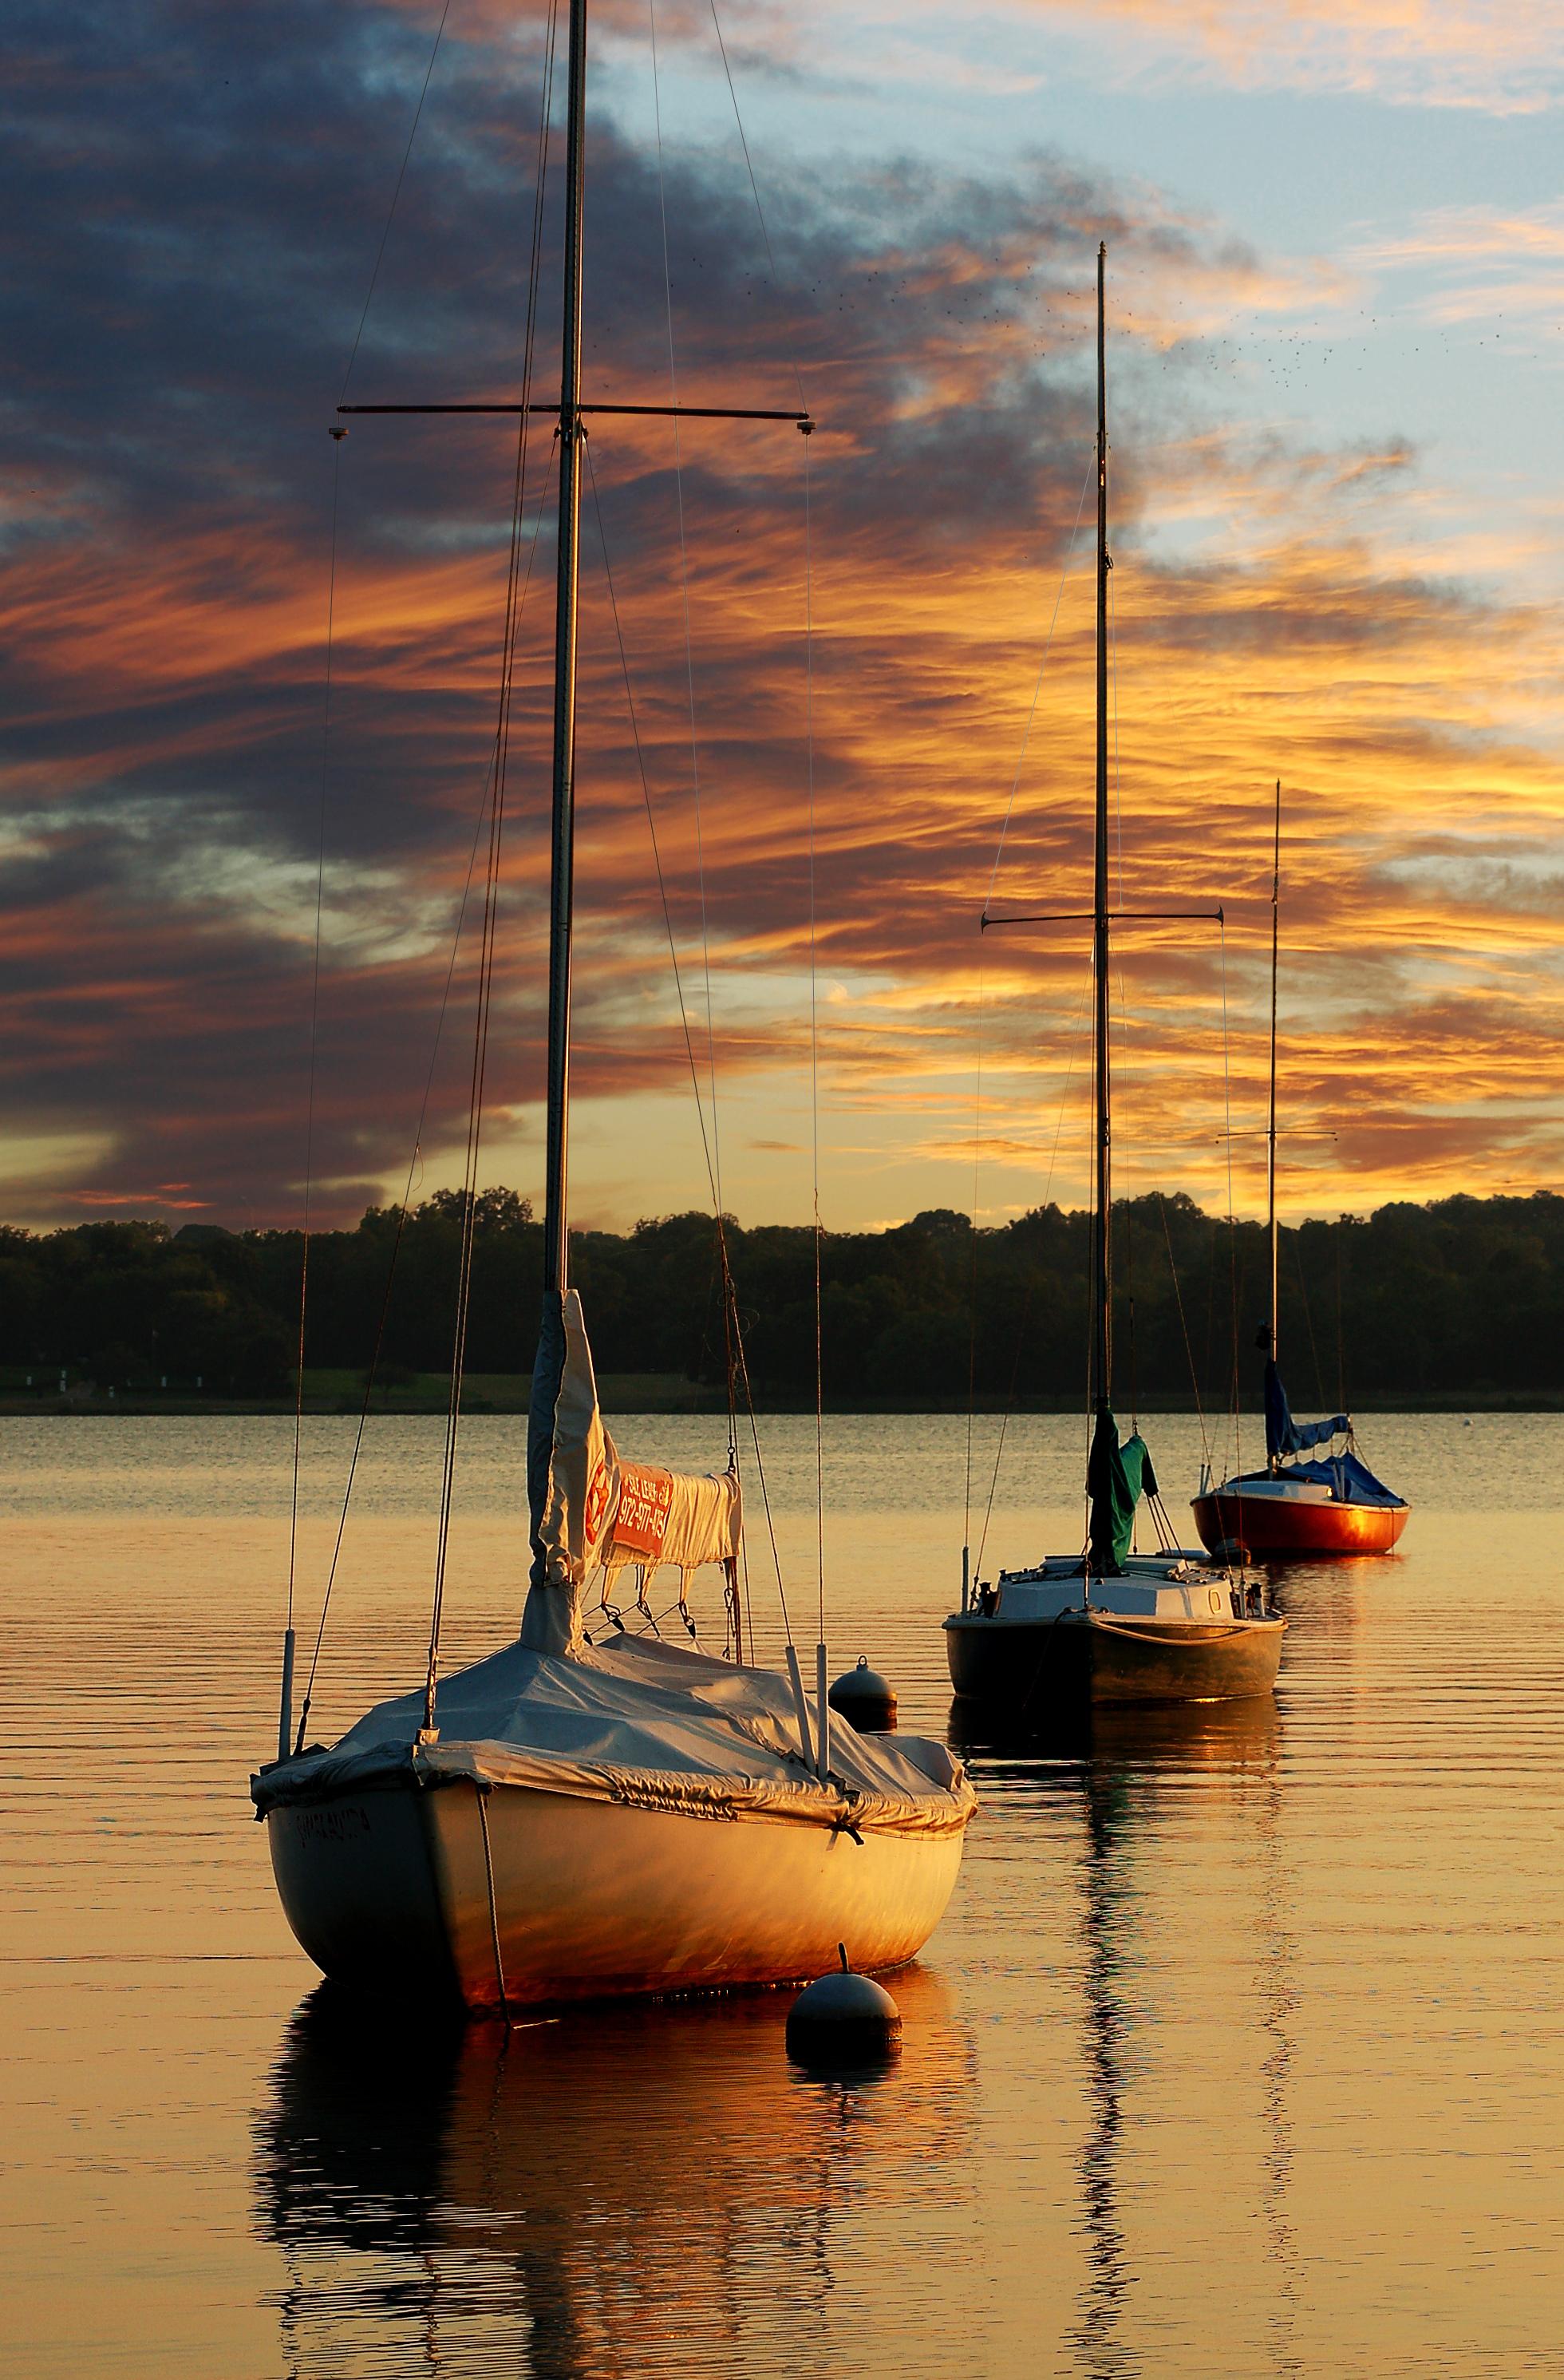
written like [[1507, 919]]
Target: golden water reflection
[[1111, 1768], [1237, 2052], [647, 2187]]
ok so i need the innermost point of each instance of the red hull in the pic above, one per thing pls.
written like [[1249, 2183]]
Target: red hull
[[1271, 1526]]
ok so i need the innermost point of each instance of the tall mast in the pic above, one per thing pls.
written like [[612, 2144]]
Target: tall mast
[[557, 1227], [1270, 1130], [1102, 1349]]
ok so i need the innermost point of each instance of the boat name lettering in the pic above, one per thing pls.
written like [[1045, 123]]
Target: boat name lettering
[[331, 1826]]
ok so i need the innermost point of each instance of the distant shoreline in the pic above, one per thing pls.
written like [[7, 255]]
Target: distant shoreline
[[642, 1398]]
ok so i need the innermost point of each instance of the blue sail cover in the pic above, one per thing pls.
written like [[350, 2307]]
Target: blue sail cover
[[1285, 1436], [1350, 1480]]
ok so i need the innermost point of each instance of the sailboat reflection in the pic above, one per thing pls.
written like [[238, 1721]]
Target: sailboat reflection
[[641, 2188], [1126, 1736], [1179, 1867]]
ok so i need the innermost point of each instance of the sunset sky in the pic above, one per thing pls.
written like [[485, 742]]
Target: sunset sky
[[1336, 292]]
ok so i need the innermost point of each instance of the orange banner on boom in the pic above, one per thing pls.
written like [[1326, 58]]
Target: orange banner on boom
[[645, 1498]]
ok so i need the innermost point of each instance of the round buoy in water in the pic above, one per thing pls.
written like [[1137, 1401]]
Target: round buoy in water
[[864, 1700], [1231, 1550], [842, 2020]]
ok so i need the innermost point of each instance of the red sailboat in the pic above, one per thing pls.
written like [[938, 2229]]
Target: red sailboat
[[1330, 1503]]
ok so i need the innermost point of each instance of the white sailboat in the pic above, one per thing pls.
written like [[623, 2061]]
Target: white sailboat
[[568, 1820]]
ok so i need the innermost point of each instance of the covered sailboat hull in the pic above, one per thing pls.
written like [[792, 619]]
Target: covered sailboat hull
[[1274, 1528], [505, 1892], [1098, 1657]]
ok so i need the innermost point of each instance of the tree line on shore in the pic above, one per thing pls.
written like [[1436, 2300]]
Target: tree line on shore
[[1459, 1297]]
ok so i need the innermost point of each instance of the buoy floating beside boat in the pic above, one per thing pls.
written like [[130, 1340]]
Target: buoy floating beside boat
[[842, 2020], [864, 1700]]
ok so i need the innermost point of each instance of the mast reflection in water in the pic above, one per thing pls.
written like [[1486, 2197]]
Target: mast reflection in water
[[1122, 1766], [644, 2189]]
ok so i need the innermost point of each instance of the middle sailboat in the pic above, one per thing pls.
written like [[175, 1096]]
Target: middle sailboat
[[1105, 1622]]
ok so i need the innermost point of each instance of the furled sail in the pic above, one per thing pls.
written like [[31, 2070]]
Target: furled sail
[[1117, 1477], [589, 1506], [1285, 1436]]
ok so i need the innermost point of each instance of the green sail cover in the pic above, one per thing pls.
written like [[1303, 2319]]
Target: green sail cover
[[1117, 1477]]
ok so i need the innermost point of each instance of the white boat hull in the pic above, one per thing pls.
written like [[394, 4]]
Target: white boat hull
[[390, 1890]]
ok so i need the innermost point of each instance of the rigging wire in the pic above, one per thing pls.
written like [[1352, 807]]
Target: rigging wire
[[514, 590], [651, 826], [1232, 1217], [1037, 690], [972, 1267], [684, 591], [1118, 970], [1118, 776], [338, 436], [729, 1317], [413, 1161], [754, 186], [739, 1366], [1020, 1327], [319, 881], [314, 1031], [1309, 1321], [977, 1092], [1183, 1325], [814, 1046], [739, 1359], [397, 193], [1124, 1021], [483, 1004], [798, 382]]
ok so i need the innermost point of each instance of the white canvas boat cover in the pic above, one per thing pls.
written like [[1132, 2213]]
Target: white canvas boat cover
[[642, 1722], [593, 1506]]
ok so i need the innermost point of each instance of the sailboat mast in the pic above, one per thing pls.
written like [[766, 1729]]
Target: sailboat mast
[[1270, 1130], [1102, 1381], [556, 1226]]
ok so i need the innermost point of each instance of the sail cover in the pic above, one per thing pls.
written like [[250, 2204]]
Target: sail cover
[[642, 1723], [1117, 1477], [1349, 1479], [592, 1506], [1285, 1436]]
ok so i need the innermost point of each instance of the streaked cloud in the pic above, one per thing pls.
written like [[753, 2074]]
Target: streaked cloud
[[1458, 54], [1496, 267]]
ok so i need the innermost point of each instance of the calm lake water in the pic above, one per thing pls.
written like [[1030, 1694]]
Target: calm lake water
[[1238, 2052]]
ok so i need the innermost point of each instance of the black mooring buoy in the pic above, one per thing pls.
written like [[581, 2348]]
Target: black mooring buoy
[[864, 1700], [842, 2020], [1231, 1550]]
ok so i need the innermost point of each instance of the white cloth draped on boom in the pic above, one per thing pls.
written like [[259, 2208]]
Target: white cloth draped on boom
[[590, 1506]]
